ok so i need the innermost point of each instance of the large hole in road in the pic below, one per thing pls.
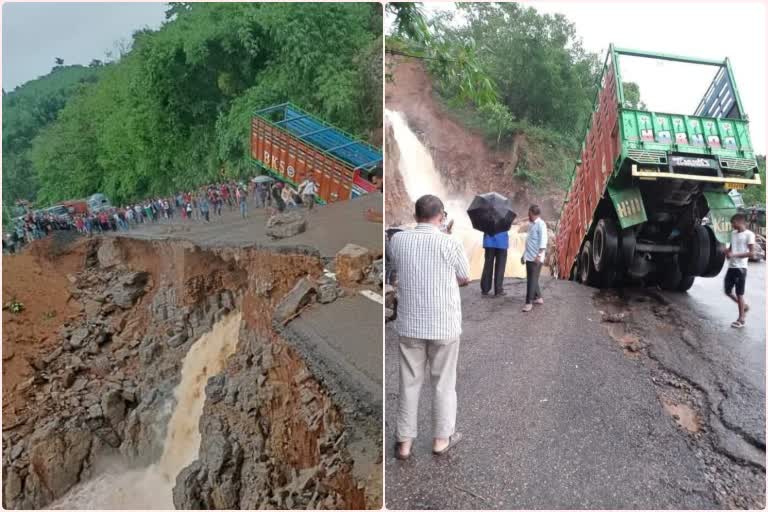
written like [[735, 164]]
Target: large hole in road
[[154, 374]]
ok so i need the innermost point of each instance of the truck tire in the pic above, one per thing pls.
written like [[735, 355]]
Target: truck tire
[[605, 245], [696, 258], [716, 255], [685, 283], [628, 243], [670, 276], [587, 271]]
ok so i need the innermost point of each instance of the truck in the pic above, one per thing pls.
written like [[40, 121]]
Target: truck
[[646, 180], [291, 145]]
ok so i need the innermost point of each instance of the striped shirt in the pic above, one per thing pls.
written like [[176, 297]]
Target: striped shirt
[[428, 264], [536, 241]]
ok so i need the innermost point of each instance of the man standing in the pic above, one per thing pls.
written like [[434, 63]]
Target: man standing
[[535, 248], [308, 189], [742, 248], [496, 247], [430, 266]]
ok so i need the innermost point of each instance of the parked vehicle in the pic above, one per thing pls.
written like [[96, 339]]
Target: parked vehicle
[[292, 145], [98, 202], [646, 180]]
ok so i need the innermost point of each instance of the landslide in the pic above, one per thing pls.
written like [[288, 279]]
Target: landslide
[[468, 163], [95, 355]]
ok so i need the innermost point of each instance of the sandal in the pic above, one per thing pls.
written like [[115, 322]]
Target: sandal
[[398, 453], [452, 441], [738, 324]]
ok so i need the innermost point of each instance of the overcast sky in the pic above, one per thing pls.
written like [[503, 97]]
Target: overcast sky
[[34, 34], [709, 30]]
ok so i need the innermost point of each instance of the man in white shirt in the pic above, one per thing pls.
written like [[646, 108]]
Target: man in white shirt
[[741, 248], [308, 189], [430, 267], [535, 248]]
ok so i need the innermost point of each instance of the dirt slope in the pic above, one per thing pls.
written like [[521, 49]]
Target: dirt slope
[[466, 161]]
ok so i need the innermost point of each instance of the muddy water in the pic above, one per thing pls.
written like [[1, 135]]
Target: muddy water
[[117, 487], [421, 177]]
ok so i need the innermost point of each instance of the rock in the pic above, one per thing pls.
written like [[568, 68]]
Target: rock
[[17, 450], [177, 339], [327, 293], [186, 492], [56, 462], [284, 225], [215, 389], [128, 289], [294, 300], [108, 255], [374, 274], [94, 411], [113, 407], [12, 488], [351, 263], [148, 353], [68, 378], [78, 337], [49, 358]]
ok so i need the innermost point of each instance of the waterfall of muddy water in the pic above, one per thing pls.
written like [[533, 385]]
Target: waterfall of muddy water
[[420, 177], [152, 487]]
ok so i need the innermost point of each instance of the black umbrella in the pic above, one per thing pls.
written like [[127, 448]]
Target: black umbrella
[[491, 213]]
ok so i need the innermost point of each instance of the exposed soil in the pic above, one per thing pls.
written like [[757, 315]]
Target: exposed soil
[[467, 163], [92, 361]]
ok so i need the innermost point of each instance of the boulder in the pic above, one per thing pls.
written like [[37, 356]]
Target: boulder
[[113, 407], [109, 254], [56, 462], [128, 288], [284, 225], [79, 336], [301, 294], [351, 264]]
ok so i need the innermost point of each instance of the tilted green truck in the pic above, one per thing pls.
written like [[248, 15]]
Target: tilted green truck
[[645, 181]]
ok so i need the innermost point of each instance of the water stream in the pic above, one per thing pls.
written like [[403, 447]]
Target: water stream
[[151, 488], [421, 177]]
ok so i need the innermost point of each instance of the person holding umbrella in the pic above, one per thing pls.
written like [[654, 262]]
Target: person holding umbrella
[[535, 247], [495, 247]]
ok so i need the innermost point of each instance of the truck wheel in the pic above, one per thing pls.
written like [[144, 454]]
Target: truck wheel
[[587, 271], [605, 244], [716, 255], [628, 243], [696, 258], [671, 275], [685, 283]]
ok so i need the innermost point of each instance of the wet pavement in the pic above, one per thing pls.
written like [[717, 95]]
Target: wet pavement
[[557, 413]]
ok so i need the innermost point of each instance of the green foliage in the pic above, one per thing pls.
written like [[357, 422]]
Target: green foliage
[[175, 111], [755, 195], [26, 111], [632, 96]]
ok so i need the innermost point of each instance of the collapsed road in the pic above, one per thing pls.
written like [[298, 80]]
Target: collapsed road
[[628, 398], [199, 370]]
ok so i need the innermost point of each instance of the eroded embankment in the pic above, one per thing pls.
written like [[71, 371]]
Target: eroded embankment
[[96, 355]]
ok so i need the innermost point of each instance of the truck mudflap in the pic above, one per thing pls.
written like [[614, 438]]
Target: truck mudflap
[[721, 209], [628, 203]]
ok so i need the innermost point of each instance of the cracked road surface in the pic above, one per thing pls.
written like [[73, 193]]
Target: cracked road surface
[[562, 409]]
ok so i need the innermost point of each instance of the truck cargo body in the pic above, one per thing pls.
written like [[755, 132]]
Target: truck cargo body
[[645, 180], [292, 145]]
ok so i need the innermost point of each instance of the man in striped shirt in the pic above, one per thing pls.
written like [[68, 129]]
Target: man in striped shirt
[[430, 266]]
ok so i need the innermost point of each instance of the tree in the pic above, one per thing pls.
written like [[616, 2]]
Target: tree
[[632, 96]]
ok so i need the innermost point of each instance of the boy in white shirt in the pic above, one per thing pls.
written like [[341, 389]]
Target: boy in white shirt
[[741, 248]]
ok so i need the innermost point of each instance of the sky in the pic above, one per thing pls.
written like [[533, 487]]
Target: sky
[[692, 30], [34, 34]]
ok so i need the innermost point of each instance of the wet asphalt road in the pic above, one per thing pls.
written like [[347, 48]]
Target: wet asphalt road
[[556, 415], [706, 300]]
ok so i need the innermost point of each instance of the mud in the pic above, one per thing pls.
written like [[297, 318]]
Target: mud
[[90, 402]]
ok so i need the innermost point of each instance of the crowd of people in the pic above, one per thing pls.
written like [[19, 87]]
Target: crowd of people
[[195, 205]]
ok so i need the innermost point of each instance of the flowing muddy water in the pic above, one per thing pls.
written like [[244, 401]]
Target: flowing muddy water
[[117, 487], [420, 177]]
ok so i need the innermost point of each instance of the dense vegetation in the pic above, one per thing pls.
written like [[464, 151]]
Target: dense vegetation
[[174, 111]]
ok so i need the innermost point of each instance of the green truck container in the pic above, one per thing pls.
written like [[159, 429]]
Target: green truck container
[[646, 180]]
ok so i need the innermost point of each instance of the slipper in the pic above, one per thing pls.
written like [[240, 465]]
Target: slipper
[[399, 455], [737, 324], [452, 441]]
